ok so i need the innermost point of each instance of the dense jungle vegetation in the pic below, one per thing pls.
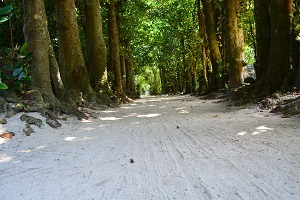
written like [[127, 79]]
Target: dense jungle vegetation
[[68, 53]]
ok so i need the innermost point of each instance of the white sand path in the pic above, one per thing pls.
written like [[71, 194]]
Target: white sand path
[[182, 148]]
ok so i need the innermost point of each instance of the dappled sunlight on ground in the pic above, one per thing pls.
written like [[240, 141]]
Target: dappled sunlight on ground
[[259, 130], [109, 118], [108, 111], [70, 139], [156, 148], [2, 140], [5, 158], [85, 121], [149, 115]]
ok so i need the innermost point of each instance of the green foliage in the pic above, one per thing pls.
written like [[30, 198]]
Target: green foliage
[[296, 18], [4, 11], [17, 72]]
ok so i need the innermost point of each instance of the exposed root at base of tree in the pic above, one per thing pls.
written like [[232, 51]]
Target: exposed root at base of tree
[[287, 103]]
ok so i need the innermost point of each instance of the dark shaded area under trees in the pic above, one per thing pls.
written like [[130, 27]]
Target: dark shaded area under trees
[[64, 54]]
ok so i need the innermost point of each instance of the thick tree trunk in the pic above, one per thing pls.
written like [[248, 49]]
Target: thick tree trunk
[[234, 43], [263, 35], [114, 49], [279, 59], [215, 54], [71, 61], [130, 83], [37, 36], [96, 49]]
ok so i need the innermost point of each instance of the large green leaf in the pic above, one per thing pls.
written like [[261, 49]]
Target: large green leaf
[[3, 86], [3, 19], [23, 49], [21, 76], [5, 10], [17, 71]]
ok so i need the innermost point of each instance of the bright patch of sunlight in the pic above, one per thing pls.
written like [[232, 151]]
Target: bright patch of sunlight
[[256, 132], [5, 158], [180, 108], [70, 138], [163, 107], [109, 118], [149, 115], [2, 140], [264, 128], [85, 121], [42, 147], [259, 130], [133, 104], [184, 111], [109, 111], [88, 129], [126, 107], [242, 133]]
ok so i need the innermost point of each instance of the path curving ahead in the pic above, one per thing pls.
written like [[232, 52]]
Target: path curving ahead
[[157, 148]]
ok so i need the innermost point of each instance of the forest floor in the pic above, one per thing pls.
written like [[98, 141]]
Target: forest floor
[[167, 147]]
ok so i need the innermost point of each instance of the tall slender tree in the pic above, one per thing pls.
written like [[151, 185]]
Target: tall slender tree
[[234, 43], [213, 44], [263, 35], [114, 48], [72, 66], [96, 49], [279, 58]]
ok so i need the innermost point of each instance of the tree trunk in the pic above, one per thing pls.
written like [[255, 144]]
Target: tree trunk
[[279, 59], [114, 49], [130, 83], [72, 66], [297, 80], [215, 54], [263, 35], [201, 24], [96, 49], [234, 43], [37, 35]]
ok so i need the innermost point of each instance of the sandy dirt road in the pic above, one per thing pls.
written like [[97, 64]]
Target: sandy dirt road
[[177, 147]]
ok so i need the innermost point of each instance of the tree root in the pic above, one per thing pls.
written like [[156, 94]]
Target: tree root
[[288, 109]]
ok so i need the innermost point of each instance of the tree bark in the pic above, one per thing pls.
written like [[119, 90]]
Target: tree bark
[[114, 49], [279, 59], [215, 54], [37, 35], [234, 43], [201, 24], [72, 66], [96, 49], [130, 83], [263, 35]]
